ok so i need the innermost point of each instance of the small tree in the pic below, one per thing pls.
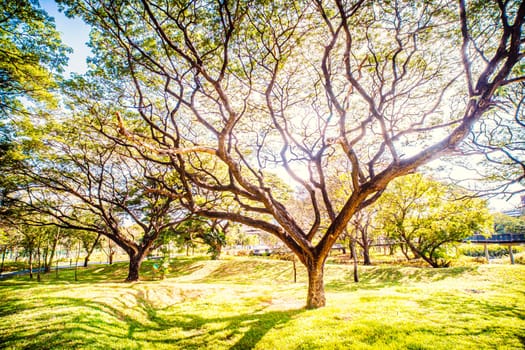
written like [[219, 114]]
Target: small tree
[[427, 216], [198, 229]]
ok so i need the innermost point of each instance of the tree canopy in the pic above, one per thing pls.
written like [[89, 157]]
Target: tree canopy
[[430, 217], [223, 92]]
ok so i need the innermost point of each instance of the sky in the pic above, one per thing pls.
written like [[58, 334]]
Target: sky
[[74, 33]]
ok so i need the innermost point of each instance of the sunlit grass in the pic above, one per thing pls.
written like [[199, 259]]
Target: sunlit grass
[[253, 303]]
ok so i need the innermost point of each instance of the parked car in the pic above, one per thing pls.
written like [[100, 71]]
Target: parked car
[[262, 250]]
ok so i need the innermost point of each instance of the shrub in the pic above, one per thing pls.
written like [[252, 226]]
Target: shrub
[[495, 251]]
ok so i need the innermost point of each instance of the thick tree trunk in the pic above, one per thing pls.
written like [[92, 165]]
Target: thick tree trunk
[[135, 261], [366, 256], [315, 298]]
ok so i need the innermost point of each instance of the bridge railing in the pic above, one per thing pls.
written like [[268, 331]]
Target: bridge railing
[[498, 238]]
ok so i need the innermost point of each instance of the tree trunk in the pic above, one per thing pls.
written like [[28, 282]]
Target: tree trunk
[[39, 263], [511, 254], [31, 264], [404, 250], [366, 248], [354, 258], [90, 251], [486, 249], [44, 258], [135, 261], [315, 298], [366, 255], [76, 262], [3, 259], [53, 250]]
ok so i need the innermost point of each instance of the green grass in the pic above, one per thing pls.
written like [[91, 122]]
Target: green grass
[[246, 303]]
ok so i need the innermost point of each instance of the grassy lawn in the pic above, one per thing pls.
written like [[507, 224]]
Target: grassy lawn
[[246, 303]]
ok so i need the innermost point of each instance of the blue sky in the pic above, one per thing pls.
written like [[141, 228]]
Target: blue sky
[[74, 33]]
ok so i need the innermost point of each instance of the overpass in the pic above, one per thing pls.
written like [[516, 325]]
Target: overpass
[[508, 239], [498, 238]]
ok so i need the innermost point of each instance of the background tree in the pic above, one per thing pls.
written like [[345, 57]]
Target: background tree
[[508, 224], [248, 86], [92, 186], [90, 241], [200, 230], [32, 57], [361, 226], [429, 218]]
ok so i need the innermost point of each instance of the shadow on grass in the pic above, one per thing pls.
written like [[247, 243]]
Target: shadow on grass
[[114, 273], [80, 323], [260, 269], [387, 276]]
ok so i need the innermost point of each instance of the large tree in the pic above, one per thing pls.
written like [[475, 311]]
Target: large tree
[[91, 185], [249, 86]]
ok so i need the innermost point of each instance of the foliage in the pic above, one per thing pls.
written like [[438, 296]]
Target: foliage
[[495, 251], [430, 217], [224, 92], [89, 183], [508, 224], [198, 229], [31, 54]]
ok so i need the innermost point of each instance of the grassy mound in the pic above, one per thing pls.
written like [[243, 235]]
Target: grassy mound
[[246, 303]]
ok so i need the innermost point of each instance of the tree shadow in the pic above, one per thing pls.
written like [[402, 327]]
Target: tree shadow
[[96, 324], [105, 273], [378, 277]]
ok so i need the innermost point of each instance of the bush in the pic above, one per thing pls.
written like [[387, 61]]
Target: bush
[[520, 259], [495, 251]]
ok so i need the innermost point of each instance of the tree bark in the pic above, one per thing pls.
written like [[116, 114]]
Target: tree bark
[[31, 263], [354, 258], [366, 256], [135, 261], [49, 263], [39, 263], [3, 259], [366, 248], [315, 298]]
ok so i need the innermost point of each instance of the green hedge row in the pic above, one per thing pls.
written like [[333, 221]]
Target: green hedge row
[[495, 251]]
